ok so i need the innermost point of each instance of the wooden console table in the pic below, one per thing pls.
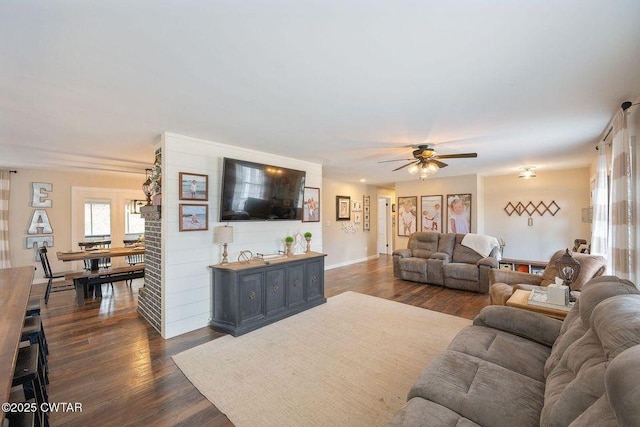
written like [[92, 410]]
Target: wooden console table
[[15, 287], [247, 296]]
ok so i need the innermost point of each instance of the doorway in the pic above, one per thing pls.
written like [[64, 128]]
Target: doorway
[[384, 246]]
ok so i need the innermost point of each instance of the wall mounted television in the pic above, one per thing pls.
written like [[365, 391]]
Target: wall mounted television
[[258, 192]]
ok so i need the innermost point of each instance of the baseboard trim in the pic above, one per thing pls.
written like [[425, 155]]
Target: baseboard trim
[[353, 261]]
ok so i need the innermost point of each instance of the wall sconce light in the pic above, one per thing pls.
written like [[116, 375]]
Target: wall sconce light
[[135, 205], [146, 186], [527, 173]]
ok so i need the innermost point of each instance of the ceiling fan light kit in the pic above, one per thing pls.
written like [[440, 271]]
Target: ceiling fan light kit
[[425, 160]]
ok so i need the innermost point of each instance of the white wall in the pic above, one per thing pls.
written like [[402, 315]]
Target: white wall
[[347, 248], [187, 255], [569, 188]]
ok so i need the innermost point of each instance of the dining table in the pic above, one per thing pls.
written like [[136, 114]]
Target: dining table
[[83, 280], [94, 255], [15, 288]]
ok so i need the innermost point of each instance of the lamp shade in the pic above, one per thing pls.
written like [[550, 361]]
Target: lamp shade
[[223, 234]]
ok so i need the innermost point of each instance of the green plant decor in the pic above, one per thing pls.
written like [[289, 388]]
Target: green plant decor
[[307, 235], [288, 239]]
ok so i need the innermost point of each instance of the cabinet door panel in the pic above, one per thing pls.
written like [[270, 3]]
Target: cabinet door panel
[[315, 280], [275, 290], [295, 284], [251, 297]]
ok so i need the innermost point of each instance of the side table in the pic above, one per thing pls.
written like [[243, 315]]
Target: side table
[[520, 299]]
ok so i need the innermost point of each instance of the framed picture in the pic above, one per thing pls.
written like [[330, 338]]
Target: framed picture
[[194, 217], [194, 186], [311, 202], [357, 206], [459, 213], [431, 213], [407, 219], [357, 217], [343, 208]]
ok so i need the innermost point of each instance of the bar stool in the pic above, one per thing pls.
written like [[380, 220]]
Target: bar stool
[[21, 419], [29, 375], [33, 332], [33, 307]]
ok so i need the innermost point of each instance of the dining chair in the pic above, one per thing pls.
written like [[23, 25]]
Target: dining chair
[[133, 260], [65, 285]]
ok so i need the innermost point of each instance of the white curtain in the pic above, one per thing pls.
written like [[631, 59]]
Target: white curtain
[[600, 225], [5, 185], [622, 227]]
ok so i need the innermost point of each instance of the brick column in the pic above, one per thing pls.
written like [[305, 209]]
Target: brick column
[[150, 296]]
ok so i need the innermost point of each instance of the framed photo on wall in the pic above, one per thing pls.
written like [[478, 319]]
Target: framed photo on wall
[[194, 217], [343, 208], [407, 215], [311, 205], [459, 213], [194, 186], [431, 213]]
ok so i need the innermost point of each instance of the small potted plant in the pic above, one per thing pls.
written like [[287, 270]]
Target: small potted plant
[[288, 241], [307, 237]]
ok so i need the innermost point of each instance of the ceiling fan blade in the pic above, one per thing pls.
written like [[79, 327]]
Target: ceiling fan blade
[[397, 160], [455, 156], [408, 164], [439, 163]]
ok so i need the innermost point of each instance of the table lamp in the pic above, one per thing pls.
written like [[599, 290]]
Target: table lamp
[[224, 235], [568, 270]]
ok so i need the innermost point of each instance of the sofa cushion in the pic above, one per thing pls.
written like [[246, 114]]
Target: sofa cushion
[[507, 350], [414, 265], [473, 387], [424, 243], [456, 270], [622, 387], [446, 243], [577, 381], [616, 322], [463, 254], [421, 412], [578, 320]]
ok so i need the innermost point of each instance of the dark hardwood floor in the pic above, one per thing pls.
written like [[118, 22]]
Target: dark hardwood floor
[[105, 356]]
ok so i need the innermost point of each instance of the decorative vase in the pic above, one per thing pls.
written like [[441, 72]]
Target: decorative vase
[[288, 252], [308, 239]]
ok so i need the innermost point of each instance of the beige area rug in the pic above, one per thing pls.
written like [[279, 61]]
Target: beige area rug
[[349, 362]]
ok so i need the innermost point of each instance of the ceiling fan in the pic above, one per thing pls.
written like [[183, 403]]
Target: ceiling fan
[[427, 161]]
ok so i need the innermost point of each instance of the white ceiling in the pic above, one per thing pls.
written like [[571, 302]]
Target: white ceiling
[[343, 83]]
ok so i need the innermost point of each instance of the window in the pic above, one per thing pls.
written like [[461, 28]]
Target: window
[[133, 223], [97, 219]]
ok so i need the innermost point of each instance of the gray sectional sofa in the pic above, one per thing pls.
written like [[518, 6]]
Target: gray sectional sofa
[[518, 368], [440, 259]]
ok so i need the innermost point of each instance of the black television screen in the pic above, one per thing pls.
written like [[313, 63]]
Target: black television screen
[[257, 192]]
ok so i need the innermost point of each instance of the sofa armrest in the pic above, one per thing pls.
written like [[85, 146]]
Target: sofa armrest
[[513, 277], [441, 256], [488, 261], [402, 253], [527, 324]]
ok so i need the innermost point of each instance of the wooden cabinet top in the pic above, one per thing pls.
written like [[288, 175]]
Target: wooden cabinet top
[[255, 263]]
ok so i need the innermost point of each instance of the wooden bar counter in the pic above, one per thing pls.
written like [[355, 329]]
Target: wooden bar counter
[[15, 287]]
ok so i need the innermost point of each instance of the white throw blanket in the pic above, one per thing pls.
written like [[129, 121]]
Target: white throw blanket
[[480, 243]]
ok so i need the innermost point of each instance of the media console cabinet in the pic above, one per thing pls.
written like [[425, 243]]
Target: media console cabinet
[[247, 296]]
